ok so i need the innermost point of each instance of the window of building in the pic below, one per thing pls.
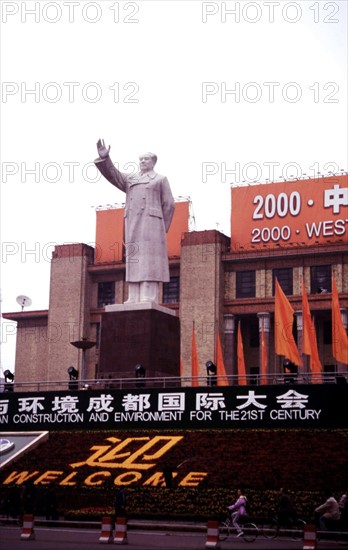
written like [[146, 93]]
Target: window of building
[[106, 293], [327, 333], [245, 284], [284, 276], [171, 291], [254, 333], [320, 279]]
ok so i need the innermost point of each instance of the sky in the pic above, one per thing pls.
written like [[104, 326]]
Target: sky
[[225, 93]]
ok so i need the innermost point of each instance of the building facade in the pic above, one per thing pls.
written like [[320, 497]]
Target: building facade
[[215, 283]]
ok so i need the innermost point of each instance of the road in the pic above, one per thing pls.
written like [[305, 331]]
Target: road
[[55, 538]]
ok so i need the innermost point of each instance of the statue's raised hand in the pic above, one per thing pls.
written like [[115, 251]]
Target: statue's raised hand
[[102, 150]]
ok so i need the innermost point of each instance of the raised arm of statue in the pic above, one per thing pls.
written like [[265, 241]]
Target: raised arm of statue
[[107, 168], [102, 150]]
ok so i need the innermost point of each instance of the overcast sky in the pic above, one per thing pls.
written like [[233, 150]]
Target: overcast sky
[[222, 92]]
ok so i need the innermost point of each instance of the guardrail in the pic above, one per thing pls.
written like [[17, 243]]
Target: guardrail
[[172, 382]]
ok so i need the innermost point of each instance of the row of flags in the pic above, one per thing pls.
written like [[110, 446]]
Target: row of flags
[[285, 344], [284, 341]]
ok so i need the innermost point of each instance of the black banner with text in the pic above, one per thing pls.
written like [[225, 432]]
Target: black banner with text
[[281, 406]]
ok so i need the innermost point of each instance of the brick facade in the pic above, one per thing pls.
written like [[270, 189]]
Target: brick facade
[[207, 270]]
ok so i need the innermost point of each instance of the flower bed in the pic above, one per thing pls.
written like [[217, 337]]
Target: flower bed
[[195, 505], [261, 461]]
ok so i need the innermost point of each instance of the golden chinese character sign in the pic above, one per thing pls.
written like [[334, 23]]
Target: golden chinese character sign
[[195, 458]]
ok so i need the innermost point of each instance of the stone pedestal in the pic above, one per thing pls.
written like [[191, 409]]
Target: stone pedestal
[[146, 334]]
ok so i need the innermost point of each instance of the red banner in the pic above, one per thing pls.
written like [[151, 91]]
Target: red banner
[[283, 214]]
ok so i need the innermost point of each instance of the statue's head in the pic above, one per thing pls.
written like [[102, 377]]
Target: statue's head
[[147, 162]]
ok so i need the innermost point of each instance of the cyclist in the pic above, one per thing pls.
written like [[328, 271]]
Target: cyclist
[[343, 506], [328, 514], [285, 510], [238, 510]]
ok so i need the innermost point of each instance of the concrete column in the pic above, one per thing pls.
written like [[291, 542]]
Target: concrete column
[[265, 320], [69, 311], [229, 330], [201, 294], [305, 358]]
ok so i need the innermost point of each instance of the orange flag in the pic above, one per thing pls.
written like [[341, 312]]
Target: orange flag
[[240, 359], [339, 335], [194, 359], [220, 365], [309, 339], [283, 320], [264, 361]]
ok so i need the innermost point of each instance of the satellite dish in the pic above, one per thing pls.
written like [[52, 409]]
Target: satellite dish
[[23, 301]]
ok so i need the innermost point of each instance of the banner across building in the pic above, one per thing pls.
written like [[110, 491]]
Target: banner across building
[[281, 406]]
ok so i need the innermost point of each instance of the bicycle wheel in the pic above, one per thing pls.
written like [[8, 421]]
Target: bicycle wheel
[[298, 529], [270, 529], [250, 532], [224, 530]]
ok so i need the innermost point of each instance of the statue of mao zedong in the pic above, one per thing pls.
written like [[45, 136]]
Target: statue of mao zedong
[[148, 214]]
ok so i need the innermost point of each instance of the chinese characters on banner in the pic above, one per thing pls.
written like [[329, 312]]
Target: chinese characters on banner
[[223, 407]]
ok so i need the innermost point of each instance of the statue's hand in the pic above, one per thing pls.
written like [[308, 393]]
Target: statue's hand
[[102, 150]]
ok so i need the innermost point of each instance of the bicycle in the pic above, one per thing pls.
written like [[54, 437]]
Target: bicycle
[[249, 529], [293, 526]]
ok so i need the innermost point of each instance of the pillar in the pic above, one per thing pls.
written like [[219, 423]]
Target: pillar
[[229, 330], [265, 320], [201, 294], [305, 358]]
